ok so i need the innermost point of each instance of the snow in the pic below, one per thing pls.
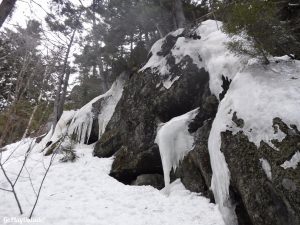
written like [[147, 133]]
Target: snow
[[83, 193], [60, 131], [293, 162], [257, 94], [82, 121], [174, 141], [108, 108], [158, 63], [266, 167], [221, 176], [209, 52], [267, 87]]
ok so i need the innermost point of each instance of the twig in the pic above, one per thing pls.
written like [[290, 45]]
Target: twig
[[3, 189], [13, 184], [24, 162], [12, 189], [45, 175], [29, 177]]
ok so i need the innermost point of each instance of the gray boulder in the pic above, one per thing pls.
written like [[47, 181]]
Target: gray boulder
[[154, 180]]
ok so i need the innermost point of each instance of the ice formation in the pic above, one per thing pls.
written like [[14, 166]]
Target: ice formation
[[256, 95], [266, 167], [82, 121], [221, 176], [293, 162], [174, 141]]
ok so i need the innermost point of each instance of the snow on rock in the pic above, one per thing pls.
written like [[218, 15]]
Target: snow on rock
[[258, 94], [60, 131], [113, 97], [221, 176], [256, 91], [174, 141], [82, 121], [293, 162], [83, 193], [158, 63], [208, 52], [266, 167]]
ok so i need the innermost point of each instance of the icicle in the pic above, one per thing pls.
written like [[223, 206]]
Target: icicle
[[221, 176], [174, 141]]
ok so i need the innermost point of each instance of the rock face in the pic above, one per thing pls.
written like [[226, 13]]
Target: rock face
[[278, 196], [131, 132], [130, 135]]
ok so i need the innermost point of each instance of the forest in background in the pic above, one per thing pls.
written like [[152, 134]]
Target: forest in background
[[36, 61]]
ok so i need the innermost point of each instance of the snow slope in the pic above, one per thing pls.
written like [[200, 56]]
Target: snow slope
[[83, 193]]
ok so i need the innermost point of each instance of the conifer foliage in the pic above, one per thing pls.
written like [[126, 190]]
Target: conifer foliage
[[259, 24]]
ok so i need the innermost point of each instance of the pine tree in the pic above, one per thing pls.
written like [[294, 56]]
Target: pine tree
[[259, 25]]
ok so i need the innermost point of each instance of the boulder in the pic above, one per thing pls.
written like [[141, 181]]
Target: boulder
[[154, 180], [145, 102]]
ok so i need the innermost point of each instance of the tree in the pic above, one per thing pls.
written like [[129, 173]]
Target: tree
[[259, 24], [21, 69], [6, 8], [66, 22]]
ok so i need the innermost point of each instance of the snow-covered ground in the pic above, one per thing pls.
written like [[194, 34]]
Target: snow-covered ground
[[83, 193]]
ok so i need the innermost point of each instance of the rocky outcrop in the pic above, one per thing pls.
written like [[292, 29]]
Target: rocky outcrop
[[268, 199], [263, 192], [131, 132]]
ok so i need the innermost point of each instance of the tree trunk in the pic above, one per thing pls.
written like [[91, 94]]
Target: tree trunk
[[45, 79], [163, 26], [5, 9], [56, 101], [179, 14], [147, 41], [162, 32], [59, 98], [64, 93], [131, 43], [103, 78], [95, 44]]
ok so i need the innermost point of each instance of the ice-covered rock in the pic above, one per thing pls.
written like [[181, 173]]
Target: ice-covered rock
[[257, 118], [99, 111], [174, 142], [77, 126]]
